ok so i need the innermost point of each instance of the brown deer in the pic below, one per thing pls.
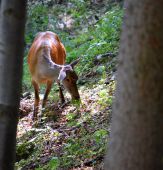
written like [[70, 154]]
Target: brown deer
[[46, 59]]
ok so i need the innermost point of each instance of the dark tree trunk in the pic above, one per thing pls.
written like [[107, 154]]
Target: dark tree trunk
[[12, 24], [136, 141]]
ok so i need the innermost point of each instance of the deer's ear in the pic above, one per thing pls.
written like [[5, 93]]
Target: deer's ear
[[74, 63], [62, 75]]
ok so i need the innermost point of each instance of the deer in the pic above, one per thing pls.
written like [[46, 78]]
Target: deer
[[46, 61]]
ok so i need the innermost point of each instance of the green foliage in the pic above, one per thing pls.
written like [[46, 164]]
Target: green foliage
[[24, 150], [53, 164], [78, 149], [37, 21], [26, 76], [104, 98], [100, 135], [100, 69], [70, 116], [102, 38]]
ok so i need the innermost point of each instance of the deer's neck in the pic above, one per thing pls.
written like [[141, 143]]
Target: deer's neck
[[48, 68]]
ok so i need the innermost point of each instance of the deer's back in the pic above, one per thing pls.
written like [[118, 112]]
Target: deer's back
[[43, 41]]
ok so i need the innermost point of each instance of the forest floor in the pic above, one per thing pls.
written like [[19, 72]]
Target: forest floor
[[73, 136]]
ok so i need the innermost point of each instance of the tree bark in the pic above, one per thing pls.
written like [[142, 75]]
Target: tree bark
[[136, 141], [12, 24]]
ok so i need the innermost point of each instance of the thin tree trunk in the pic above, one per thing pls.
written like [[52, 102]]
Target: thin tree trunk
[[12, 24], [136, 141]]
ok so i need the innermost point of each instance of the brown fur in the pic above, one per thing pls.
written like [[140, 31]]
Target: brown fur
[[48, 45], [58, 52]]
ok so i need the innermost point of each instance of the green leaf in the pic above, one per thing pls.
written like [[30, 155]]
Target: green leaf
[[54, 163]]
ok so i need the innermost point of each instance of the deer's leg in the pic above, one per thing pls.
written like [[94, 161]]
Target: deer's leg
[[37, 99], [61, 96], [48, 88]]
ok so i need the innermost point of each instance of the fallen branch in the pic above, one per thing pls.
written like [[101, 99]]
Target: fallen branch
[[102, 56], [26, 95]]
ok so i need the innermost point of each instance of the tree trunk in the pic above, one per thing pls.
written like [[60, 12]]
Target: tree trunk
[[12, 24], [136, 141]]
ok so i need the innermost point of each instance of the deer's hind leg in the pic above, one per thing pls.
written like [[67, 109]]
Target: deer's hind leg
[[48, 88], [37, 99]]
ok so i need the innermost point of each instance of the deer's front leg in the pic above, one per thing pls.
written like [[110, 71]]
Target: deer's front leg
[[61, 96]]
